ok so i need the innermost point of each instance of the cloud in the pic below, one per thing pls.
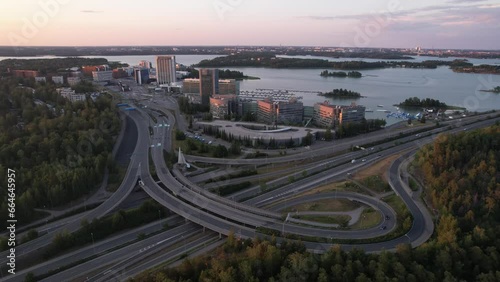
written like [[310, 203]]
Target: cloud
[[91, 11], [465, 1], [427, 17]]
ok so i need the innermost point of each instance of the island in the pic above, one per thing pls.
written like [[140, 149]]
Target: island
[[416, 102], [341, 94], [270, 60], [353, 74], [494, 90], [223, 74], [484, 69]]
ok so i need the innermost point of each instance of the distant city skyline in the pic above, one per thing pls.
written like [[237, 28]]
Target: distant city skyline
[[442, 24]]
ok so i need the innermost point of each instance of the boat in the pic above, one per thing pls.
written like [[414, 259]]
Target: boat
[[368, 111], [380, 106]]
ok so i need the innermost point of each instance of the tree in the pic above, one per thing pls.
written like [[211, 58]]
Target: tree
[[118, 220], [328, 135], [308, 139], [235, 149], [180, 135]]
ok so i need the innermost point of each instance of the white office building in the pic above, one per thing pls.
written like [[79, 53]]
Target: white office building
[[165, 69], [102, 75]]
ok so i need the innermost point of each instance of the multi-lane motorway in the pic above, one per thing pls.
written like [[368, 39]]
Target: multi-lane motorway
[[221, 215]]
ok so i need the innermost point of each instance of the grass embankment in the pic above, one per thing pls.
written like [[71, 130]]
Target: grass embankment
[[328, 205], [328, 219], [368, 219]]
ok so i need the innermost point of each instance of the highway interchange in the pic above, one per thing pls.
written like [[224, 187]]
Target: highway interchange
[[205, 211]]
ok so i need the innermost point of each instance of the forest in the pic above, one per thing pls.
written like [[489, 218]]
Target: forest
[[223, 74], [416, 102], [46, 66], [353, 74], [462, 183], [341, 93], [58, 149], [272, 61]]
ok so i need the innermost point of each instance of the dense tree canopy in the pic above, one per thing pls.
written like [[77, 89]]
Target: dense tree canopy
[[59, 149], [423, 103]]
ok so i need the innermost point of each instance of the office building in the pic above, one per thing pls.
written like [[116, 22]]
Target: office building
[[191, 86], [352, 113], [145, 64], [101, 76], [330, 116], [165, 69], [228, 87], [324, 115], [58, 79], [141, 75], [270, 112], [222, 106], [209, 84]]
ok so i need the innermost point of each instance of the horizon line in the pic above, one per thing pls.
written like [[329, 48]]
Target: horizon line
[[230, 45]]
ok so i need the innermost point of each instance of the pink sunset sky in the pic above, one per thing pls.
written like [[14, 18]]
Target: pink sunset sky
[[453, 24]]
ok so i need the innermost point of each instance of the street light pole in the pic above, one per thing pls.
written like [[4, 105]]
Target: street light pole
[[159, 216], [93, 243]]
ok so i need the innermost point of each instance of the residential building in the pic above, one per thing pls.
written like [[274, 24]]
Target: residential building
[[128, 70], [72, 81], [101, 76], [88, 70], [25, 73], [222, 106], [40, 79], [70, 94], [165, 69], [119, 73], [58, 79], [209, 84]]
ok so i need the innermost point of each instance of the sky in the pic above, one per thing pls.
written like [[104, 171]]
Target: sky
[[443, 24]]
